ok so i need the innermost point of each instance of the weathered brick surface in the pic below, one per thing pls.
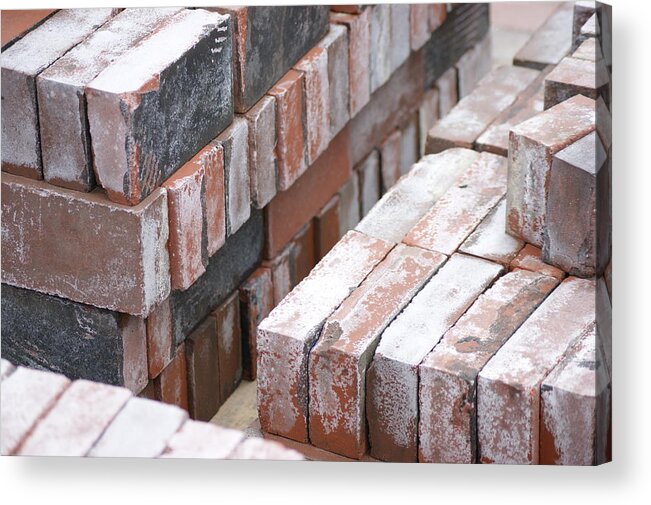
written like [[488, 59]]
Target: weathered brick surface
[[77, 421], [530, 258], [369, 181], [40, 331], [437, 14], [531, 147], [171, 385], [229, 345], [508, 388], [286, 336], [336, 45], [428, 114], [400, 47], [17, 23], [267, 42], [201, 350], [420, 32], [202, 440], [327, 228], [44, 228], [27, 396], [581, 13], [65, 139], [314, 66], [392, 387], [262, 151], [214, 207], [349, 205], [282, 272], [474, 64], [21, 63], [290, 134], [404, 204], [574, 76], [448, 375], [577, 234], [550, 43], [257, 448], [340, 358], [160, 340], [447, 86], [140, 430], [575, 403], [490, 240], [381, 45], [304, 250], [152, 109], [390, 160], [589, 50], [475, 112], [256, 302], [409, 144]]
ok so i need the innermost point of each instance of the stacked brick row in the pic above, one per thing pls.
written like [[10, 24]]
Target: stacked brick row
[[467, 317], [47, 414], [152, 218]]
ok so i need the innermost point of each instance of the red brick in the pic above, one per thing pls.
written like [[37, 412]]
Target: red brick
[[44, 229], [290, 147], [184, 202], [420, 25], [214, 206], [304, 251], [314, 66], [392, 379], [400, 34], [76, 422], [349, 205], [447, 86], [256, 302], [27, 396], [448, 375], [16, 23], [160, 339], [508, 388], [350, 9], [229, 345], [282, 272], [437, 14], [149, 392], [290, 210], [390, 160], [428, 114], [573, 76], [203, 370], [262, 151], [589, 50], [202, 441], [326, 225], [369, 181], [172, 383], [339, 360], [336, 45], [381, 45], [286, 336], [530, 258], [258, 448]]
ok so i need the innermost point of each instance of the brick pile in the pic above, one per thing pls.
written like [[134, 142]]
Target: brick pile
[[467, 317], [151, 218], [47, 414]]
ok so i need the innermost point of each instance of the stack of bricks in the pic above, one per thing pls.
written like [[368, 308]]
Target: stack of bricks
[[60, 417], [153, 217], [467, 318]]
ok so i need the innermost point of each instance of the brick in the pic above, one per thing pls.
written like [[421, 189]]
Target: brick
[[39, 331], [21, 63], [336, 45], [392, 379], [288, 212], [257, 448], [359, 49], [290, 141], [461, 208], [304, 250], [575, 407], [604, 322], [473, 65], [369, 181], [327, 229], [340, 358], [77, 421], [146, 121], [267, 42], [550, 43], [475, 112], [490, 240], [7, 369], [508, 388], [261, 120], [44, 228], [235, 142], [214, 206], [590, 28], [201, 351], [17, 23], [428, 114], [380, 63], [437, 15], [140, 430], [420, 30], [314, 66], [27, 396], [226, 270], [608, 276], [406, 202], [256, 302], [574, 76], [589, 50], [229, 345], [390, 160], [531, 147], [160, 340], [185, 193], [447, 87], [282, 272], [286, 336], [577, 236], [409, 144], [350, 9], [400, 47], [202, 440], [65, 138], [581, 13], [530, 258], [172, 383], [149, 392], [448, 375], [349, 205]]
